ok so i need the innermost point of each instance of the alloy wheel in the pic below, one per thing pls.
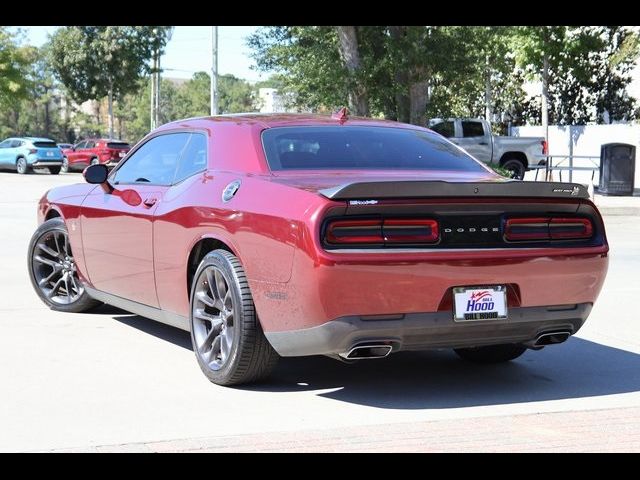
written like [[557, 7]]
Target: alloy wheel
[[65, 165], [54, 268], [213, 318], [21, 166]]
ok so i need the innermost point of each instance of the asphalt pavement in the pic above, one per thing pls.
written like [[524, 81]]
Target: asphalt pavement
[[112, 381]]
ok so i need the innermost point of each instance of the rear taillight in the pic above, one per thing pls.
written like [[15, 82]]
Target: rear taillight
[[410, 231], [391, 231], [355, 231], [560, 228], [545, 147], [33, 150], [547, 228]]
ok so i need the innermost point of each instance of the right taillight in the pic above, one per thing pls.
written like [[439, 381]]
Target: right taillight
[[547, 228], [569, 228]]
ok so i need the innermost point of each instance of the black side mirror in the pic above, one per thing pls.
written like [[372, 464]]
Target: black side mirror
[[97, 174]]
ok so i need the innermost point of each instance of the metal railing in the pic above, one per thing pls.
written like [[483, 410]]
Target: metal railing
[[562, 163]]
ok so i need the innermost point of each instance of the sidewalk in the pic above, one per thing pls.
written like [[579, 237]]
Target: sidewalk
[[612, 430], [612, 205]]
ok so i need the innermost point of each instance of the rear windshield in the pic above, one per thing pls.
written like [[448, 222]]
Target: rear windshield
[[344, 147], [45, 144], [117, 145]]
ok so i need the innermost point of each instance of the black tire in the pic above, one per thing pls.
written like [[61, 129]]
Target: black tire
[[250, 357], [65, 165], [491, 353], [83, 302], [516, 167], [22, 167], [55, 170]]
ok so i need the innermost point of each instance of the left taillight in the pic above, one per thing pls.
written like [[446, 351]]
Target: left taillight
[[33, 150], [340, 232], [380, 232], [547, 228]]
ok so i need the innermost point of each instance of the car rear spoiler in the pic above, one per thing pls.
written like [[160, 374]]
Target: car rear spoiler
[[439, 189]]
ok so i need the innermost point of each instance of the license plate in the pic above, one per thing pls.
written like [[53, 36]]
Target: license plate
[[479, 303], [49, 154]]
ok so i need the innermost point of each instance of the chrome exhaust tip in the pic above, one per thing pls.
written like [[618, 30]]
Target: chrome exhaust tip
[[367, 351], [551, 338]]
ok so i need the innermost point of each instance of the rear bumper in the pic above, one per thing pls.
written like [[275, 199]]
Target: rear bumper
[[421, 331], [46, 163]]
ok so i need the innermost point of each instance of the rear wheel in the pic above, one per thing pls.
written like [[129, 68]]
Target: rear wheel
[[94, 161], [515, 167], [52, 269], [65, 165], [226, 335], [491, 353], [22, 166]]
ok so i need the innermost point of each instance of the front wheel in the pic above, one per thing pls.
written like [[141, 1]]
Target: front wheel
[[491, 353], [52, 269], [22, 166], [65, 165], [515, 167], [226, 334]]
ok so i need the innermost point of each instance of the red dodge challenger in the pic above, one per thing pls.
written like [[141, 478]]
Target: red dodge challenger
[[290, 235]]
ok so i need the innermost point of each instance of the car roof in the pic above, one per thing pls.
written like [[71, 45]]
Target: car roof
[[270, 120]]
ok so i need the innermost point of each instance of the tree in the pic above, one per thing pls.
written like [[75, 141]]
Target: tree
[[14, 60], [358, 101], [97, 61]]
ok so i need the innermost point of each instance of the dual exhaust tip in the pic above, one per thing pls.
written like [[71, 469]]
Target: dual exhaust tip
[[383, 349], [367, 351]]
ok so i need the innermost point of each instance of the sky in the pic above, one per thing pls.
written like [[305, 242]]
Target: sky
[[189, 50]]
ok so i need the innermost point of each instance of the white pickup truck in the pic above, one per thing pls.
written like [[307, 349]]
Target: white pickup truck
[[516, 154]]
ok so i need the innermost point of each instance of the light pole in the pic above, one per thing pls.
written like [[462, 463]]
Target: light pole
[[214, 70]]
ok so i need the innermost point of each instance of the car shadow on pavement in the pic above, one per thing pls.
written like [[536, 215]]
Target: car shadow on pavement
[[439, 379]]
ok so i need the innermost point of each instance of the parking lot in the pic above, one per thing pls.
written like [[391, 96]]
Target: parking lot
[[113, 381]]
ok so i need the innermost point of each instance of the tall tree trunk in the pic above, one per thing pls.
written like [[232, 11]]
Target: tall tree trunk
[[402, 80], [418, 96], [47, 116], [358, 101], [488, 109], [110, 112]]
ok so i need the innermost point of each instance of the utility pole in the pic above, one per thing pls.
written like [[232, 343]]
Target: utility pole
[[214, 70], [152, 116]]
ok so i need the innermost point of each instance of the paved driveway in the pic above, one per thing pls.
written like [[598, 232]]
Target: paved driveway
[[110, 380]]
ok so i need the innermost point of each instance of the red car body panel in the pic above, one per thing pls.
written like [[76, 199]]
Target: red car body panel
[[140, 252]]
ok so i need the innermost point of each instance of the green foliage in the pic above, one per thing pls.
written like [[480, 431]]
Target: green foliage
[[14, 60], [409, 72], [91, 61]]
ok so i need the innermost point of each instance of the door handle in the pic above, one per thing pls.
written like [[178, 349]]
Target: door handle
[[150, 202]]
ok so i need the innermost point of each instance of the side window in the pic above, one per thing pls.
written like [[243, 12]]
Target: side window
[[155, 162], [5, 144], [16, 143], [472, 129], [89, 144], [446, 129], [80, 145], [194, 157]]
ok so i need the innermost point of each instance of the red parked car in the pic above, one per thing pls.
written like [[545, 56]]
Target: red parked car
[[93, 151], [291, 235]]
